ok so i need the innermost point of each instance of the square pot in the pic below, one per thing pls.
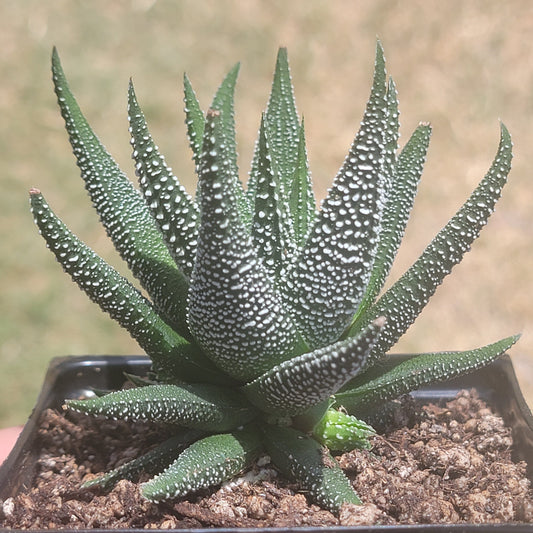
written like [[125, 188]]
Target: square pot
[[70, 377]]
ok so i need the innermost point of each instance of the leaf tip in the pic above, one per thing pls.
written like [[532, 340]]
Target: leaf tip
[[380, 52], [504, 132]]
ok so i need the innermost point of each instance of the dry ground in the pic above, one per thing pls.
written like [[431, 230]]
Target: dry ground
[[460, 65]]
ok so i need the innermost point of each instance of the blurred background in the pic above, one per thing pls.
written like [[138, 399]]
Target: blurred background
[[462, 66]]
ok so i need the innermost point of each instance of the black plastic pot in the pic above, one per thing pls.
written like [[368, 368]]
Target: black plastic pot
[[70, 377]]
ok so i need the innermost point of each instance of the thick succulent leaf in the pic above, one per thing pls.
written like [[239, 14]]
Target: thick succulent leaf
[[173, 209], [303, 459], [194, 120], [277, 163], [298, 384], [152, 462], [282, 127], [205, 463], [302, 203], [282, 120], [282, 123], [331, 274], [234, 313], [391, 136], [342, 432], [122, 211], [200, 406], [405, 178], [269, 230], [403, 302], [416, 372], [224, 102], [172, 355]]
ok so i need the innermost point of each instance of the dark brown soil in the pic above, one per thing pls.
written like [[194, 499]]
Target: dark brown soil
[[452, 466]]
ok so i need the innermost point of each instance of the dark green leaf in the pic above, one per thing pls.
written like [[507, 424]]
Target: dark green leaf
[[152, 462], [301, 458], [296, 385], [194, 120], [302, 201], [414, 373], [171, 354], [205, 463], [269, 227], [200, 406], [234, 313], [403, 302], [331, 274], [405, 178], [122, 211], [173, 209]]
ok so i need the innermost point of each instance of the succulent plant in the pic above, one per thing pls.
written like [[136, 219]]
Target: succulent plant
[[262, 315]]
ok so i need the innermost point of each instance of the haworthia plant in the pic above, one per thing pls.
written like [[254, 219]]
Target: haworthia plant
[[263, 316]]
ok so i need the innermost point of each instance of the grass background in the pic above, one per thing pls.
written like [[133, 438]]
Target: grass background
[[460, 65]]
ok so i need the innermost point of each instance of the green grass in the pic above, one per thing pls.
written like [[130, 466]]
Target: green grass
[[460, 65]]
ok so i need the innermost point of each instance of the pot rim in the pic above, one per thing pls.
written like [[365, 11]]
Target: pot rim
[[71, 376]]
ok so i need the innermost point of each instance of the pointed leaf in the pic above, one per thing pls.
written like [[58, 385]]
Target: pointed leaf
[[403, 302], [122, 211], [173, 209], [296, 385], [303, 459], [280, 125], [302, 198], [326, 286], [234, 313], [414, 373], [224, 102], [282, 121], [391, 136], [152, 462], [406, 176], [171, 354], [200, 406], [269, 229], [194, 120], [205, 463]]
